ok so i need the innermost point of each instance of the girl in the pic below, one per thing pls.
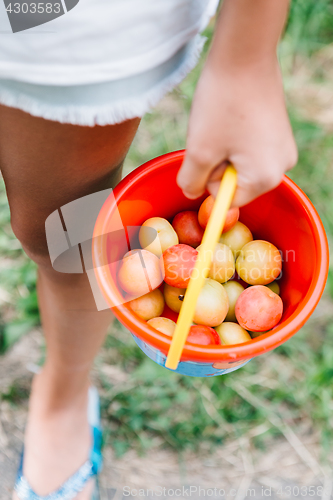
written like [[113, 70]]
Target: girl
[[72, 93]]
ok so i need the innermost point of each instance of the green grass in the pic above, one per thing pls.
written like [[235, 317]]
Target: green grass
[[309, 26], [18, 307], [276, 394], [286, 389]]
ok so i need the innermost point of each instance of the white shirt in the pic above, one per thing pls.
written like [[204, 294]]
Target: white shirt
[[100, 40]]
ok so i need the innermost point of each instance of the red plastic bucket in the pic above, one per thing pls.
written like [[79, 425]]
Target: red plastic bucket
[[284, 216]]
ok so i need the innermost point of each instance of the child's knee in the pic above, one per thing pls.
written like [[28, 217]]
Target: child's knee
[[31, 234]]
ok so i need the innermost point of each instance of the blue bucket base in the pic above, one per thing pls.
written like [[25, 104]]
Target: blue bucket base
[[191, 368]]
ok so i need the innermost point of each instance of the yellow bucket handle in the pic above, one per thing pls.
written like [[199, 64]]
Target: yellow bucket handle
[[199, 274]]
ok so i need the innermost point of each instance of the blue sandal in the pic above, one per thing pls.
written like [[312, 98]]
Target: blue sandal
[[91, 468]]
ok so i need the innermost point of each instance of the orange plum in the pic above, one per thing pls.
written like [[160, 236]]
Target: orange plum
[[203, 335], [163, 325], [274, 286], [233, 289], [259, 263], [140, 272], [254, 335], [178, 262], [212, 305], [157, 242], [171, 296], [237, 237], [258, 309], [206, 208], [223, 263], [232, 333], [148, 306], [188, 228]]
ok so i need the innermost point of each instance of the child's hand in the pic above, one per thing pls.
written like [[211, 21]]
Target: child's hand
[[238, 117], [238, 113]]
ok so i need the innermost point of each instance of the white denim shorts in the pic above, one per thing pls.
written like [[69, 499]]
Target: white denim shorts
[[103, 103]]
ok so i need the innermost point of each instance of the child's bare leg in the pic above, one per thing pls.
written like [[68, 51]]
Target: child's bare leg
[[46, 165]]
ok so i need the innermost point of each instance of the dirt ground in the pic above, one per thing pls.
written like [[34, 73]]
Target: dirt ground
[[290, 467]]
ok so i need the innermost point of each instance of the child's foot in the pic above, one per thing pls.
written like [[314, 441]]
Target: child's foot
[[57, 440]]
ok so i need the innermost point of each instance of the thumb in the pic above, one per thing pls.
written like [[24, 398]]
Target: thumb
[[215, 177], [193, 176]]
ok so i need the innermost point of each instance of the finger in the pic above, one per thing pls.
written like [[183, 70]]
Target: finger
[[242, 197], [261, 181], [215, 178], [292, 157], [193, 175]]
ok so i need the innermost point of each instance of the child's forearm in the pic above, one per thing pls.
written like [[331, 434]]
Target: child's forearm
[[238, 113], [248, 32]]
